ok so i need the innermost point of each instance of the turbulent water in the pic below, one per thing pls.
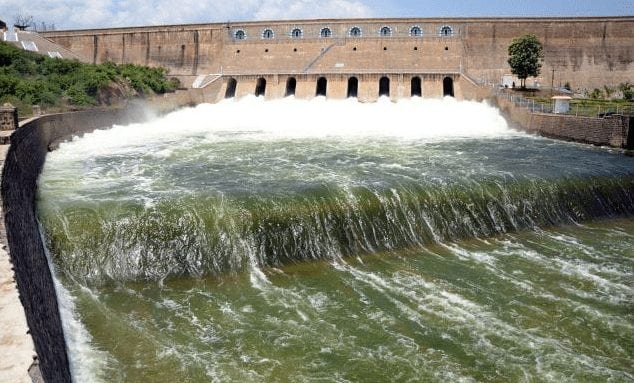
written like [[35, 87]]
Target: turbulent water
[[320, 240]]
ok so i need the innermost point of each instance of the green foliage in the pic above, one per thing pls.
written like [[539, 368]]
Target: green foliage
[[524, 54], [596, 94], [627, 91], [27, 78]]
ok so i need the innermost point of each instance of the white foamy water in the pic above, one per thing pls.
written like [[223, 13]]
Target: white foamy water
[[256, 119]]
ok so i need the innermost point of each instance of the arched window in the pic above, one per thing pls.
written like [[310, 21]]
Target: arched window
[[240, 34], [355, 32], [267, 34], [446, 31], [297, 33], [415, 31], [325, 32], [385, 32]]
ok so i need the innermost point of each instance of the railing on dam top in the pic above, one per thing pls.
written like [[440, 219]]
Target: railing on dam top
[[578, 107]]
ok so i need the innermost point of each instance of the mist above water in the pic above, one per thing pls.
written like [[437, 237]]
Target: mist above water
[[254, 118]]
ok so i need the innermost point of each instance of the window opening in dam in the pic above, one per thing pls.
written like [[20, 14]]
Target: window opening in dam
[[291, 85], [416, 90], [415, 31], [240, 34], [260, 88], [267, 34], [325, 32], [353, 87], [385, 32], [447, 87], [231, 88], [446, 31], [322, 84], [355, 32], [297, 33], [384, 87]]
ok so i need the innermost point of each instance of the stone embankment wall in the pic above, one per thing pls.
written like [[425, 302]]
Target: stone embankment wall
[[24, 162], [612, 131]]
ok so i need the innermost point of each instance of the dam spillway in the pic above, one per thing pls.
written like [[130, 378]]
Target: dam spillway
[[328, 240]]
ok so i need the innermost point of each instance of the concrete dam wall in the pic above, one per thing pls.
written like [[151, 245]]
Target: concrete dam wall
[[585, 52]]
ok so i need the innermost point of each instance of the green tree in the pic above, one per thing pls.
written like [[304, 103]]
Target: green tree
[[628, 92], [524, 54]]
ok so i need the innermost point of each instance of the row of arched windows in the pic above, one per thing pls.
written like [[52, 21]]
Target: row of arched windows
[[325, 32], [353, 87]]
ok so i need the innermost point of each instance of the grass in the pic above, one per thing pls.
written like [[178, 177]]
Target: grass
[[580, 106]]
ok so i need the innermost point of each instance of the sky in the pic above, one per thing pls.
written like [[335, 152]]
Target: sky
[[80, 14]]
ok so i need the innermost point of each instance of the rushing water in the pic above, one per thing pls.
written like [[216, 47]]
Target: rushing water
[[336, 241]]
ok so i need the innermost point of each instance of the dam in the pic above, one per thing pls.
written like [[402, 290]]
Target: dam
[[386, 57], [327, 211]]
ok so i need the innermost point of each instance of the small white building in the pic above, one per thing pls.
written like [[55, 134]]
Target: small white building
[[508, 80], [561, 104]]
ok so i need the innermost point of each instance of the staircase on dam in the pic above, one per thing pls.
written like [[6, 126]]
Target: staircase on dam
[[321, 55]]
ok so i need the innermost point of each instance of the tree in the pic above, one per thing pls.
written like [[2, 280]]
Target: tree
[[524, 54], [23, 22]]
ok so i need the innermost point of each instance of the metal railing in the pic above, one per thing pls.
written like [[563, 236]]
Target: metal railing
[[583, 108]]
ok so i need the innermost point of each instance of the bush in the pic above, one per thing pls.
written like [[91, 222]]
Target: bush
[[596, 94], [30, 78], [77, 95], [627, 91]]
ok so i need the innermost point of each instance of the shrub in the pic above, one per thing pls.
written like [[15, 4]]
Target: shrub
[[596, 94], [30, 78]]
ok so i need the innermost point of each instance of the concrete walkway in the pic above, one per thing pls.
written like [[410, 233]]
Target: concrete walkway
[[16, 346]]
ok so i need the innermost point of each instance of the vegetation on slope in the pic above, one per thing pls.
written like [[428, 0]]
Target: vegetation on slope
[[27, 79]]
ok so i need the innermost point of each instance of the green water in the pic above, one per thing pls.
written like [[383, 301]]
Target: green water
[[226, 250], [552, 305]]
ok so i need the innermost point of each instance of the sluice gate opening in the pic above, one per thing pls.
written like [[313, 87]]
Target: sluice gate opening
[[260, 88], [232, 84], [291, 86], [353, 87], [384, 87], [416, 88], [447, 87], [321, 88]]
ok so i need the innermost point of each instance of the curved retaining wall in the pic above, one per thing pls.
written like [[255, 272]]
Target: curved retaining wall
[[24, 162], [615, 131]]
